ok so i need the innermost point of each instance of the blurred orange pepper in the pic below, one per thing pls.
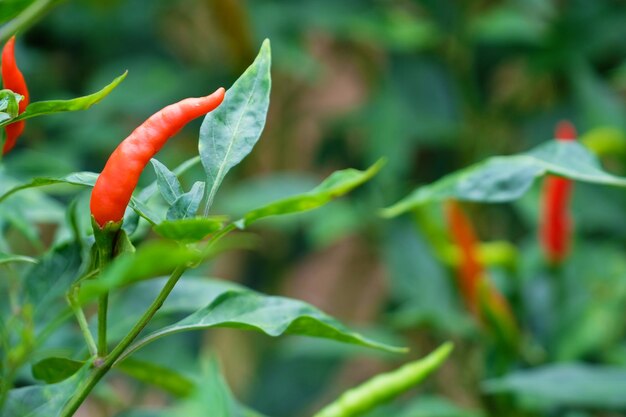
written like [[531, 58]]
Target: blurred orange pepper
[[555, 227], [481, 297]]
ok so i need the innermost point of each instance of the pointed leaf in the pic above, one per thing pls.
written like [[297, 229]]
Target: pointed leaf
[[87, 179], [168, 184], [506, 178], [273, 316], [187, 204], [57, 106], [336, 185], [230, 132]]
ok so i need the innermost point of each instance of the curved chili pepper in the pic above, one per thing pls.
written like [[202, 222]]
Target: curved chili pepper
[[13, 80], [115, 185], [555, 232]]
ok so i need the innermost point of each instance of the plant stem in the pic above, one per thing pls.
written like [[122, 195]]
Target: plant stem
[[103, 306], [26, 18], [84, 327], [101, 369]]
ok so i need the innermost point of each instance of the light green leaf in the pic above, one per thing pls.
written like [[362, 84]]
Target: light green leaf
[[506, 178], [274, 316], [57, 106], [168, 183], [190, 230], [230, 132], [149, 261], [567, 385], [336, 185], [187, 204], [56, 369]]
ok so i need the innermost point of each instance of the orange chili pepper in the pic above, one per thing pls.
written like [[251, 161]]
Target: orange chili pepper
[[555, 228], [115, 185], [13, 80]]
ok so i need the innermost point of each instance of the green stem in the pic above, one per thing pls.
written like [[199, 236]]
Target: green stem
[[104, 367], [26, 18], [82, 323], [103, 306]]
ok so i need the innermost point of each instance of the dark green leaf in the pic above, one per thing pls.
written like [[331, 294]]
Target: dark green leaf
[[42, 400], [274, 316], [187, 204], [57, 106], [230, 132], [336, 185], [506, 178], [168, 184], [567, 385], [190, 230], [53, 370]]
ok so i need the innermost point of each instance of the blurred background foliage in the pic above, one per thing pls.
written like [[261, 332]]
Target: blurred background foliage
[[433, 85]]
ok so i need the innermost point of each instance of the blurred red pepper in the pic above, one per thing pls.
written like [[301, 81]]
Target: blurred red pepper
[[13, 80], [555, 228]]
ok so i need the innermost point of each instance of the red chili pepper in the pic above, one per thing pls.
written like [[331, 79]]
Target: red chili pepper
[[555, 232], [470, 269], [120, 175], [13, 80]]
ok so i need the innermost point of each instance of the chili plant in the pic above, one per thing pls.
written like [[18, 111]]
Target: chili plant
[[154, 234]]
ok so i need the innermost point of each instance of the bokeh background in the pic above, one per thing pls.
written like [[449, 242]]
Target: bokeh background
[[432, 85]]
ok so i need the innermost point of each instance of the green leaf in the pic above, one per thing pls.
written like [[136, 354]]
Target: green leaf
[[150, 373], [42, 400], [55, 369], [384, 387], [567, 385], [336, 185], [190, 230], [87, 179], [506, 178], [230, 132], [168, 183], [57, 106], [274, 316], [187, 204], [6, 258], [150, 260]]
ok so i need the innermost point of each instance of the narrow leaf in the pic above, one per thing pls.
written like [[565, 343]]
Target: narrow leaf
[[230, 132], [57, 106], [87, 179], [168, 184], [187, 204], [336, 185], [6, 258], [506, 178]]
